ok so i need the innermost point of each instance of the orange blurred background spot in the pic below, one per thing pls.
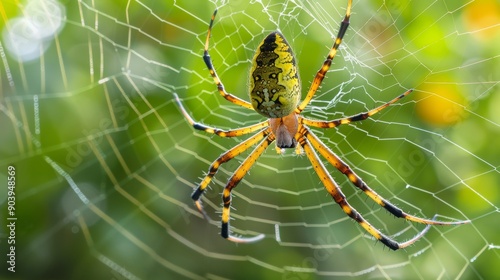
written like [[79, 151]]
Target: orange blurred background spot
[[482, 18], [440, 103]]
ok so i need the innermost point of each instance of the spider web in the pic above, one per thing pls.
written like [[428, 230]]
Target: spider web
[[105, 163]]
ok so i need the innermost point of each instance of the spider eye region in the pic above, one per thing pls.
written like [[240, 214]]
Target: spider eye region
[[274, 78]]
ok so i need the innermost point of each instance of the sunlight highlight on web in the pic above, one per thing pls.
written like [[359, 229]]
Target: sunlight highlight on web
[[28, 37]]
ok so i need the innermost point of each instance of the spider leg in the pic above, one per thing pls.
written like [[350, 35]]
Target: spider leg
[[225, 157], [358, 117], [220, 132], [213, 73], [356, 180], [233, 182], [337, 195], [320, 75]]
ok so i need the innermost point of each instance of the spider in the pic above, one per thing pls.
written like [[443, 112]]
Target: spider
[[275, 91]]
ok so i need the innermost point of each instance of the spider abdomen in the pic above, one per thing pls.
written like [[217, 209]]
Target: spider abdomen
[[274, 78]]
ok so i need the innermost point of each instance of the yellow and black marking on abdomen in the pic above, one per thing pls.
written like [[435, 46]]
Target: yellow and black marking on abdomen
[[274, 78]]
